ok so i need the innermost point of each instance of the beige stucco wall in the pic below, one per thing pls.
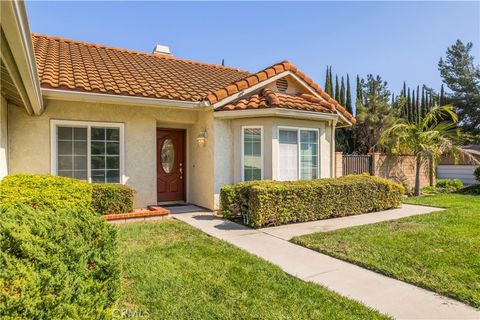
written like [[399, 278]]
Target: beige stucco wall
[[29, 143], [3, 137], [208, 167]]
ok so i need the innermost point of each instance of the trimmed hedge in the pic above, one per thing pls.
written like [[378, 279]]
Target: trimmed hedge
[[57, 193], [60, 264], [112, 198], [45, 191], [272, 203]]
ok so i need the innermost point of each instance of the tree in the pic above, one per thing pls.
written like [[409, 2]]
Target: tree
[[462, 77], [349, 97], [359, 95], [427, 140], [374, 114], [342, 93], [337, 89], [328, 83], [442, 96]]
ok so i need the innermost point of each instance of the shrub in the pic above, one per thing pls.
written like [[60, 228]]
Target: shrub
[[443, 186], [270, 203], [449, 183], [473, 189], [45, 191], [476, 173], [57, 264], [112, 198]]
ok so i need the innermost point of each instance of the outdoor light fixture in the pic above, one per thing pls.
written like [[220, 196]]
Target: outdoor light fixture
[[202, 138]]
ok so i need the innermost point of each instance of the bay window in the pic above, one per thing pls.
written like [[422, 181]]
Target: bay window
[[298, 153], [91, 151]]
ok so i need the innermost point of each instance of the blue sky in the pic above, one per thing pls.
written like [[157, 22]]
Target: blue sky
[[397, 40]]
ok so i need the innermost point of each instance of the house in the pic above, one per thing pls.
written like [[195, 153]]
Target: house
[[173, 129]]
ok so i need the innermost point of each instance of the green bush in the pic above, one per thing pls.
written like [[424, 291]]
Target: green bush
[[476, 173], [473, 189], [57, 193], [271, 203], [443, 186], [112, 198], [59, 264], [45, 191], [449, 183]]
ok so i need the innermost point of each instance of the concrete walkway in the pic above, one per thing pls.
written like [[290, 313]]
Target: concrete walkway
[[289, 231], [389, 296]]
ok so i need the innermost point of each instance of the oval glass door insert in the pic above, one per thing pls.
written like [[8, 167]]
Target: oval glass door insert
[[168, 155]]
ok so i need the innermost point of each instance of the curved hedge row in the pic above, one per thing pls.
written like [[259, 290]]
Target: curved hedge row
[[272, 203]]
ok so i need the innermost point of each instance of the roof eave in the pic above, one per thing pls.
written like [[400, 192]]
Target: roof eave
[[70, 95], [17, 32], [276, 112]]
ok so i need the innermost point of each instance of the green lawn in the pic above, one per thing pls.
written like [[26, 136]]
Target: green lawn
[[438, 251], [173, 271]]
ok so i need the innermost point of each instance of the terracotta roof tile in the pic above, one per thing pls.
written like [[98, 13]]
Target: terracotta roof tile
[[268, 98], [287, 66], [74, 65]]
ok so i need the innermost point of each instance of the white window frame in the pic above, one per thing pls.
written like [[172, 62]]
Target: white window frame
[[298, 129], [54, 124], [243, 151]]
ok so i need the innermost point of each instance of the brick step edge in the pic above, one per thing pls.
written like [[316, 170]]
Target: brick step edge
[[153, 211]]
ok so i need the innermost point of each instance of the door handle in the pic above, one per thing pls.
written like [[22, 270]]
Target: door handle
[[181, 171]]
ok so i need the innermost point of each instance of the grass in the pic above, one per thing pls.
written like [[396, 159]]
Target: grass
[[439, 251], [173, 271]]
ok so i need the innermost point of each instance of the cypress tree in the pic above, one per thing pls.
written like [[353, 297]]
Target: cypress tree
[[337, 89], [417, 105], [342, 93], [326, 81], [409, 106], [413, 108], [359, 98], [349, 97], [404, 91], [223, 62], [422, 106], [330, 82], [442, 96]]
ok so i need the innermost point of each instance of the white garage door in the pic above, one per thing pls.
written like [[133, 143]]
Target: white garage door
[[462, 172]]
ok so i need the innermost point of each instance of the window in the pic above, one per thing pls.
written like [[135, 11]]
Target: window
[[252, 161], [298, 154], [89, 151]]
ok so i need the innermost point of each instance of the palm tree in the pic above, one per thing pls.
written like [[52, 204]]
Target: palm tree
[[427, 139]]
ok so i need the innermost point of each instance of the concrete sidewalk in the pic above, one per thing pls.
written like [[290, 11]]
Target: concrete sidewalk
[[289, 231], [389, 296]]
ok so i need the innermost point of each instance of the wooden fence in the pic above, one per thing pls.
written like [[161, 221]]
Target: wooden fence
[[356, 164]]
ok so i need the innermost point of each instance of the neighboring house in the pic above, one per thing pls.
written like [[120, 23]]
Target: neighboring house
[[171, 128], [463, 168]]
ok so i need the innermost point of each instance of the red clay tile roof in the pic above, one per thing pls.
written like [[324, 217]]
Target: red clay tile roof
[[250, 80], [79, 66], [272, 99], [73, 65]]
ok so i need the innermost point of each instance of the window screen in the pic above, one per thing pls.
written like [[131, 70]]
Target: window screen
[[252, 154]]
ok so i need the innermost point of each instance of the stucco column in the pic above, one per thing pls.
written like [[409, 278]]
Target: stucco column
[[338, 164], [332, 149], [375, 162]]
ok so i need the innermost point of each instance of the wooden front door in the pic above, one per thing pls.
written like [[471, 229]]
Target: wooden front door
[[170, 165]]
